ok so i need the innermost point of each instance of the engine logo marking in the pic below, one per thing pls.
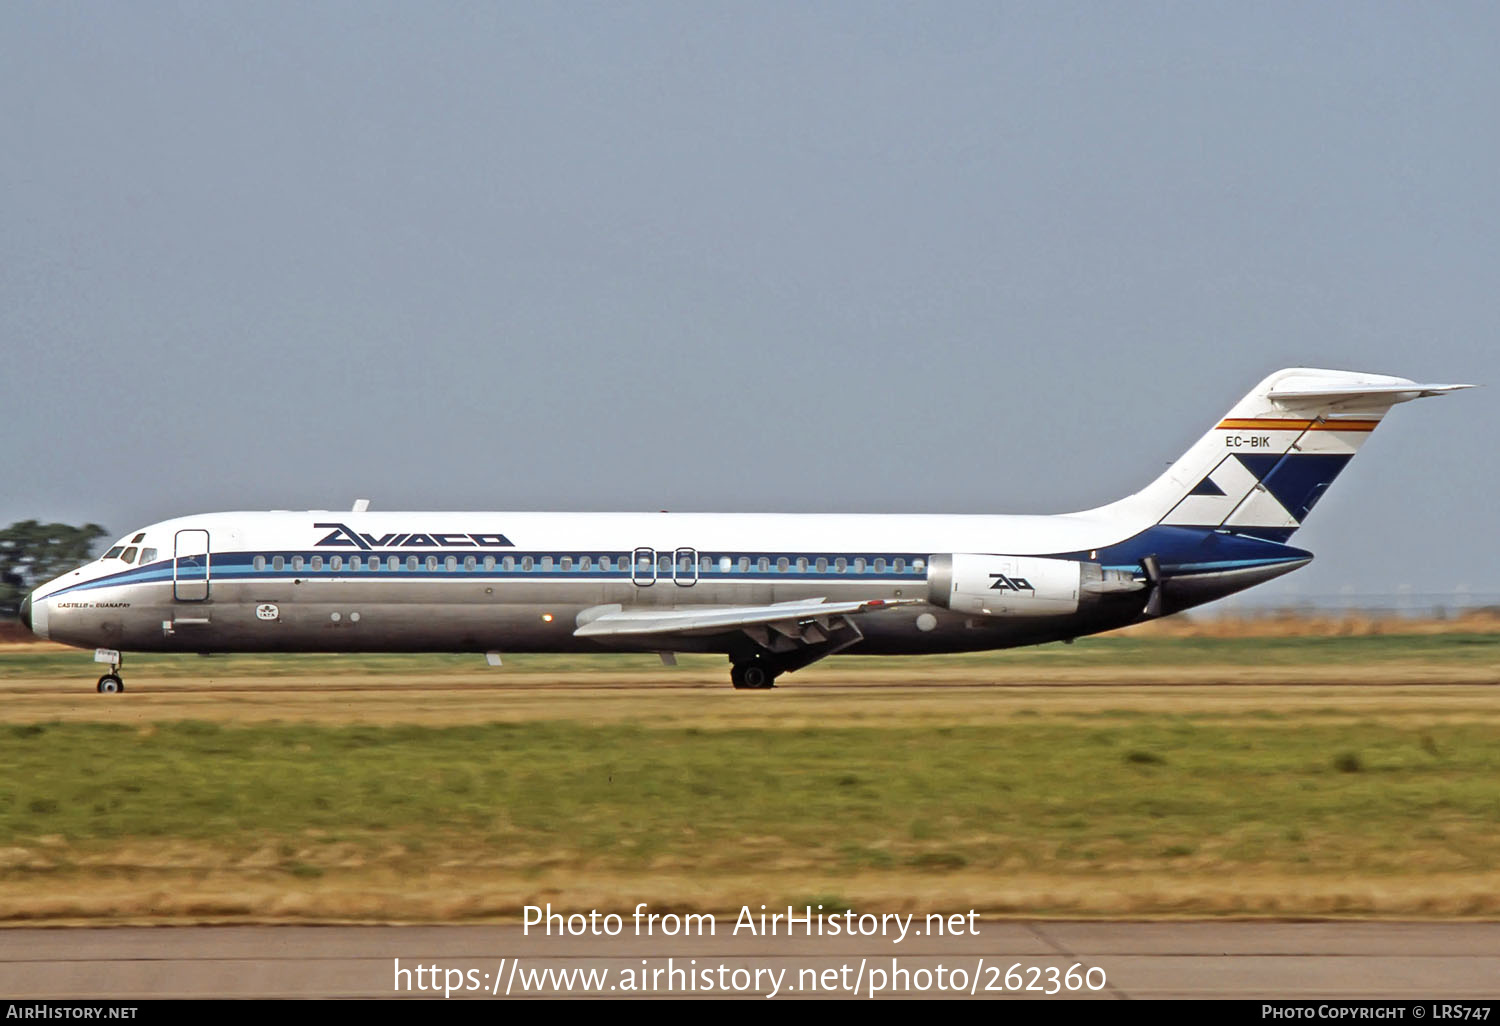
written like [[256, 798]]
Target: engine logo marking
[[1004, 583]]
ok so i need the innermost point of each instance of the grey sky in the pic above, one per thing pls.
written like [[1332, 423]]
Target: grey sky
[[942, 257]]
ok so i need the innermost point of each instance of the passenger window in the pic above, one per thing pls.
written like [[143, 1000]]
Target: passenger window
[[782, 564], [821, 565], [566, 563], [605, 563], [278, 562], [355, 563], [469, 562], [335, 563], [802, 564], [725, 564], [763, 564], [411, 562], [129, 555], [508, 563], [664, 563], [840, 565], [317, 562], [586, 563], [148, 556], [393, 562], [259, 562], [918, 565], [898, 565], [880, 566], [489, 563], [525, 562], [547, 563], [744, 564], [859, 565], [296, 562], [432, 563]]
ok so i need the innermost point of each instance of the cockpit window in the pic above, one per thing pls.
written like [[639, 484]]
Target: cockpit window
[[112, 553], [138, 538], [148, 556], [129, 555]]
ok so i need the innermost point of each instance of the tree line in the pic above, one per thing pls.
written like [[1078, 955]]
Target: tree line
[[32, 552]]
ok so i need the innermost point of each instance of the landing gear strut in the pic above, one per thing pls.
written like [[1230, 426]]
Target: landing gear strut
[[756, 675], [111, 683]]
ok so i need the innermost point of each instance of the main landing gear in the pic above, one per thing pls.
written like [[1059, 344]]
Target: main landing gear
[[755, 675]]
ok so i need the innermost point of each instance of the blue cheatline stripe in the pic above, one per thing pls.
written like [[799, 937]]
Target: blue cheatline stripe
[[1181, 550], [239, 566]]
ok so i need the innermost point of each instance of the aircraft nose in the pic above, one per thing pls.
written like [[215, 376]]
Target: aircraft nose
[[26, 611]]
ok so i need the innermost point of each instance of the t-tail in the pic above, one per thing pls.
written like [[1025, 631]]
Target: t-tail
[[1263, 467], [1217, 521]]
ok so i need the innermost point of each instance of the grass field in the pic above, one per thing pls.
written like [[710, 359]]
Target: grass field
[[1115, 654], [1156, 782]]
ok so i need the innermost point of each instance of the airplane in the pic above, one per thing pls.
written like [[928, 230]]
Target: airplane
[[773, 592]]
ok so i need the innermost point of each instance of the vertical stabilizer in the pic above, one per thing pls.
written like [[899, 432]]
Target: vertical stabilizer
[[1263, 467]]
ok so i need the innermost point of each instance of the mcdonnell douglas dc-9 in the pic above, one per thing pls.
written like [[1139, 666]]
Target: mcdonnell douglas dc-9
[[773, 592]]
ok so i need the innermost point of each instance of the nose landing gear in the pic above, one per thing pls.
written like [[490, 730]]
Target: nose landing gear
[[111, 683]]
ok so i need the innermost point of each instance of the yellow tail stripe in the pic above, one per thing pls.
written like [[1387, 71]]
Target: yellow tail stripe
[[1273, 424]]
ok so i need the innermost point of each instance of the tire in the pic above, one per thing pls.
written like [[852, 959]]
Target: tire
[[109, 684], [757, 677]]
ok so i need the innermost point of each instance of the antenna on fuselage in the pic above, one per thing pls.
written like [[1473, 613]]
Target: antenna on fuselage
[[360, 505]]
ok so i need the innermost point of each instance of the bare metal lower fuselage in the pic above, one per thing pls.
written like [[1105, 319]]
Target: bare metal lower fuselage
[[347, 614]]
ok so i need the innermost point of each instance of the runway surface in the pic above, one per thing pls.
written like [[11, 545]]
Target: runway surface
[[1441, 961]]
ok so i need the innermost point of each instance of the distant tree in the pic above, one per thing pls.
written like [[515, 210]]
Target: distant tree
[[31, 553]]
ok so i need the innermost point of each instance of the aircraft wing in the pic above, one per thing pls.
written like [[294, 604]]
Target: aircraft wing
[[785, 617]]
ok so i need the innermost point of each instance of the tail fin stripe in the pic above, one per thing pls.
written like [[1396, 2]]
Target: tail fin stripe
[[1274, 424]]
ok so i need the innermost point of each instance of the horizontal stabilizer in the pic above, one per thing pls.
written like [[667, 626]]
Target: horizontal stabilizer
[[1388, 393], [716, 619]]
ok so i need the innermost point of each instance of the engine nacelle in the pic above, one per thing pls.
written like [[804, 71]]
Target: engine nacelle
[[1009, 585]]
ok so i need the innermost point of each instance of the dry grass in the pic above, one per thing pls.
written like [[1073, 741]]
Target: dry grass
[[709, 704], [1369, 690], [448, 896], [1291, 623]]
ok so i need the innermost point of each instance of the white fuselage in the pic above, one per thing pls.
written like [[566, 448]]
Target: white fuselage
[[323, 581]]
